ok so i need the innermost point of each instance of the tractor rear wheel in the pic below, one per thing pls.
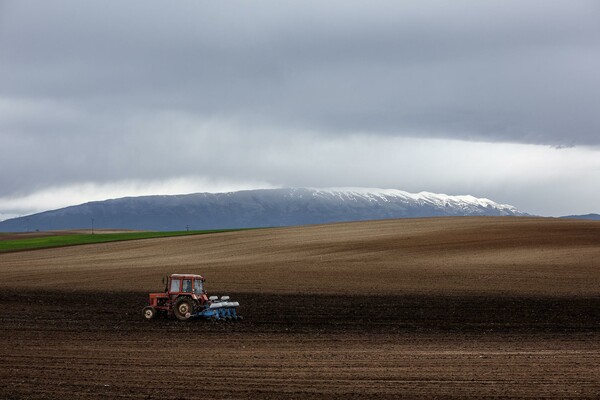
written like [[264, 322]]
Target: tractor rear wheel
[[149, 312], [183, 308]]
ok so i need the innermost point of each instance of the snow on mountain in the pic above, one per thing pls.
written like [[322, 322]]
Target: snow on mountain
[[258, 208], [388, 195]]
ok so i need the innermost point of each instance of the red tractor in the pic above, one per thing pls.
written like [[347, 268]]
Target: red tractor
[[184, 297]]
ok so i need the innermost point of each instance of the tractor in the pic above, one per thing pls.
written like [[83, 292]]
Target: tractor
[[185, 298]]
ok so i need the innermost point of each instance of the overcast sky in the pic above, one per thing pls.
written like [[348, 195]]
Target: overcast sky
[[498, 99]]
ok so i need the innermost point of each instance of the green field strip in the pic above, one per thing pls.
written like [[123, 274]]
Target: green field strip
[[81, 239]]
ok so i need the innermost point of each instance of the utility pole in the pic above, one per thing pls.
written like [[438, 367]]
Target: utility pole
[[187, 228], [92, 225]]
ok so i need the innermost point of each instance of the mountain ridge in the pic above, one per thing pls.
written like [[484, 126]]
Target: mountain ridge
[[258, 208], [592, 216]]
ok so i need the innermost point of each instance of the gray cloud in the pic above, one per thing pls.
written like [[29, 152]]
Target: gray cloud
[[101, 92], [500, 71]]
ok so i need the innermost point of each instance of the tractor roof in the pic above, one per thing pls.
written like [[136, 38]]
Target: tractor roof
[[187, 276]]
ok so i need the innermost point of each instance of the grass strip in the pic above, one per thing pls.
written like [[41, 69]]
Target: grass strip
[[80, 239]]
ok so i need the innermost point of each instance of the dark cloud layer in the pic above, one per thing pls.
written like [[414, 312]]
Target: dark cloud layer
[[102, 91], [517, 71]]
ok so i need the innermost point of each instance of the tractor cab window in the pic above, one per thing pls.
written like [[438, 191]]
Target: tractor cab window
[[198, 286], [175, 285], [187, 286]]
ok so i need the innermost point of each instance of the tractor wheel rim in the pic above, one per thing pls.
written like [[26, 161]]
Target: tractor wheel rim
[[183, 309], [148, 314]]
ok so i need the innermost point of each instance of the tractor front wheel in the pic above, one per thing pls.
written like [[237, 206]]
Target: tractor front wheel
[[149, 312], [184, 307]]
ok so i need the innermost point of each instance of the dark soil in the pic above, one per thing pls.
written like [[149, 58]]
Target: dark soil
[[97, 345], [315, 313]]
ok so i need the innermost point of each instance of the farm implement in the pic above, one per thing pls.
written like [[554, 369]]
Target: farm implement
[[184, 297]]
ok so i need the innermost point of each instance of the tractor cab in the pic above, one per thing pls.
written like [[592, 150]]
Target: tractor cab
[[188, 285]]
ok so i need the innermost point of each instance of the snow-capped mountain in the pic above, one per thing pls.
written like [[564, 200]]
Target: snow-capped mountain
[[258, 208]]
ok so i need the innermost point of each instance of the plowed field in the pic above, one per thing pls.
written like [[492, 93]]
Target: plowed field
[[430, 308]]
